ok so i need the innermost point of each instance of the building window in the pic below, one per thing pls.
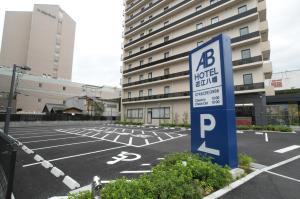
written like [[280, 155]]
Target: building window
[[142, 34], [149, 75], [246, 53], [130, 53], [141, 92], [135, 113], [129, 94], [242, 9], [166, 71], [247, 79], [141, 77], [130, 40], [150, 16], [161, 113], [166, 8], [64, 88], [150, 44], [198, 8], [39, 100], [141, 48], [244, 31], [149, 59], [129, 66], [166, 23], [150, 30], [149, 92], [166, 55], [129, 79], [166, 38], [64, 102], [143, 8], [199, 43], [142, 21], [214, 20], [141, 62], [199, 26], [40, 85], [166, 90], [130, 27]]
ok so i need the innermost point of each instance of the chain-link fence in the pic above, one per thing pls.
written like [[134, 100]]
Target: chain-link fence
[[8, 154]]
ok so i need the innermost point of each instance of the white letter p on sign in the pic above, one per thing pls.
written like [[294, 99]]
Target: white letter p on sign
[[204, 127]]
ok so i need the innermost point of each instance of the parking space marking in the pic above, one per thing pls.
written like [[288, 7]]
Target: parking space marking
[[116, 138], [287, 149], [283, 176], [61, 145], [146, 164], [77, 155], [41, 136], [50, 139], [141, 171], [266, 137]]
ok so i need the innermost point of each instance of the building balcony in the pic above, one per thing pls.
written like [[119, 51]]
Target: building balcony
[[138, 15], [262, 10], [239, 89], [192, 18], [159, 79], [133, 4], [266, 50], [264, 31], [165, 13], [160, 97], [267, 69]]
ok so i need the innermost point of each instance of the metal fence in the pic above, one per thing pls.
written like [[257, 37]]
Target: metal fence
[[8, 154], [54, 117]]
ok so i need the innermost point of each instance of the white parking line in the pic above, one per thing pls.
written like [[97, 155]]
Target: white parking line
[[266, 137], [147, 141], [50, 139], [40, 136], [116, 138], [78, 155], [259, 133], [75, 143], [145, 164], [283, 176], [287, 149], [130, 141], [104, 136], [141, 171]]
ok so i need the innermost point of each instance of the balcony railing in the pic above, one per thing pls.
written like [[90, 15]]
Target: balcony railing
[[228, 20], [259, 85], [151, 97], [131, 6], [233, 40], [169, 76], [155, 17], [245, 87], [139, 13], [247, 60]]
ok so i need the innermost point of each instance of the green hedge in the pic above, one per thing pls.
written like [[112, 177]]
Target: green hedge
[[128, 123], [278, 128], [171, 179], [175, 125]]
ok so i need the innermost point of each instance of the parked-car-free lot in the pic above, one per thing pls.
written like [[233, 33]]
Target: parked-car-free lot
[[53, 160]]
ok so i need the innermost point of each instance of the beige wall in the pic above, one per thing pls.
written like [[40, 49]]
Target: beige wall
[[15, 39], [37, 39]]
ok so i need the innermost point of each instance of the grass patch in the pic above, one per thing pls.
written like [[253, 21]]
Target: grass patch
[[81, 195], [279, 128], [128, 123], [245, 161]]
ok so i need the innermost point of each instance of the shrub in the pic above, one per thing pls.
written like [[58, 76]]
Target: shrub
[[171, 179], [81, 195], [245, 161], [279, 128]]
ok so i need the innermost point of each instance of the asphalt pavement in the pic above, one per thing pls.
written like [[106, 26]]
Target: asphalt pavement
[[53, 160]]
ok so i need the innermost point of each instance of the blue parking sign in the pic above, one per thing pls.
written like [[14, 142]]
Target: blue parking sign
[[212, 101]]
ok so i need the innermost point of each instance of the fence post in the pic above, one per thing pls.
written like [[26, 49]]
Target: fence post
[[96, 188]]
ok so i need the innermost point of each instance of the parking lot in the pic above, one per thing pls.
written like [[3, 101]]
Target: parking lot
[[54, 160]]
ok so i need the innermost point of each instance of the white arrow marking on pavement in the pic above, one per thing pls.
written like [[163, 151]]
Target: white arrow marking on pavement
[[205, 149]]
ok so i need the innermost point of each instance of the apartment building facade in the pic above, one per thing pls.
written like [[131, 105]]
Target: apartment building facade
[[42, 39], [158, 35]]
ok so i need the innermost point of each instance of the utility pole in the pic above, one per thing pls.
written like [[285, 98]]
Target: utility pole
[[11, 95]]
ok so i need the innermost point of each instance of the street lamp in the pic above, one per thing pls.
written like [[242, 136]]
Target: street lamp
[[11, 94]]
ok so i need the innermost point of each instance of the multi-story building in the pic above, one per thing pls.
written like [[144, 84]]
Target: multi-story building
[[158, 35], [42, 39]]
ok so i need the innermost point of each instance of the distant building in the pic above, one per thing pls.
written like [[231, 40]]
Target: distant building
[[42, 39], [34, 92], [284, 107]]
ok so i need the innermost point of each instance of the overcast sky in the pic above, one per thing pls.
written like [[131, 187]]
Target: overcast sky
[[99, 35]]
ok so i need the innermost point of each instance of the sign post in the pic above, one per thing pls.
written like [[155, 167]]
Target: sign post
[[212, 101]]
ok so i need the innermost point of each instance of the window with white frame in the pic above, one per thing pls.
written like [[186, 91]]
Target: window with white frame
[[166, 55], [199, 26], [199, 43], [149, 92], [242, 9], [199, 7], [246, 54], [141, 93], [135, 113], [247, 78], [166, 89], [129, 94], [214, 20], [244, 31], [160, 113]]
